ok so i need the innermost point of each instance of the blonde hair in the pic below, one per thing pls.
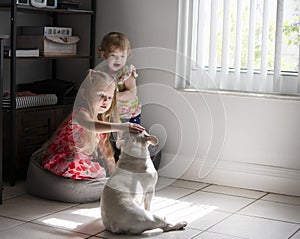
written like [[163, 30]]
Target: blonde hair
[[91, 139], [115, 40], [91, 81]]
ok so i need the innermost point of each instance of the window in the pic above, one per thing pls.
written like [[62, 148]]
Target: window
[[244, 45]]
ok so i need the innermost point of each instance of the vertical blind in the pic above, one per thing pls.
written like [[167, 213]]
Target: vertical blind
[[204, 14]]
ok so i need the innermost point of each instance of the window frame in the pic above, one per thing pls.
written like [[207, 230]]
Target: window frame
[[191, 76]]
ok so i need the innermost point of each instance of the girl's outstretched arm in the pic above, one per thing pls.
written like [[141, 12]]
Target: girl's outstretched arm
[[83, 119]]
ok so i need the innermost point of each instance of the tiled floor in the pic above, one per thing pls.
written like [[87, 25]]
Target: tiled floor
[[212, 212]]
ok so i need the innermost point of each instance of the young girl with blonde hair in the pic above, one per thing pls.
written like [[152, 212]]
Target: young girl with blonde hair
[[80, 148]]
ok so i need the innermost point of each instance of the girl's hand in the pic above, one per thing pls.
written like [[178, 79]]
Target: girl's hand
[[135, 128]]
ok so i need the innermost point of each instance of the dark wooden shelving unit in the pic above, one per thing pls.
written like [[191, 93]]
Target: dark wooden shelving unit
[[13, 116], [51, 57], [2, 38], [25, 8]]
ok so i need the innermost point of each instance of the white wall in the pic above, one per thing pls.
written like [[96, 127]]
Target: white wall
[[241, 141], [146, 23]]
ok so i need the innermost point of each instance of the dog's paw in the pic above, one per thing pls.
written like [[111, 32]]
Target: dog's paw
[[181, 225], [177, 226]]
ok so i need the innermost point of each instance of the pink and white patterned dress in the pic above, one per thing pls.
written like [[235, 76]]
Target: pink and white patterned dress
[[63, 157]]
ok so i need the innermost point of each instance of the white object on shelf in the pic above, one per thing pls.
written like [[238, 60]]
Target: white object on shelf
[[38, 3], [35, 52], [32, 101]]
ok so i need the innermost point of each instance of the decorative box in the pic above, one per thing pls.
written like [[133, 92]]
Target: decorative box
[[50, 45], [44, 31]]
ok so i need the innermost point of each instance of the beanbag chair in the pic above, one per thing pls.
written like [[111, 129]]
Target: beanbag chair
[[45, 184]]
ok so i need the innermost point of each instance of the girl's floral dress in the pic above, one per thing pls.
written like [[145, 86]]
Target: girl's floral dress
[[64, 158]]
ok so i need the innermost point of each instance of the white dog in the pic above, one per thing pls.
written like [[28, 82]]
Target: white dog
[[126, 198]]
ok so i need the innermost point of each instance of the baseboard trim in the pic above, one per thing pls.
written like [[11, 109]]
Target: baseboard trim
[[234, 174]]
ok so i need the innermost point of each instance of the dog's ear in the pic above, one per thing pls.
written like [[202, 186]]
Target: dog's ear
[[152, 139], [120, 143]]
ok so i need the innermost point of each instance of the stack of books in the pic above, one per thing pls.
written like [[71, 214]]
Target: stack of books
[[22, 52]]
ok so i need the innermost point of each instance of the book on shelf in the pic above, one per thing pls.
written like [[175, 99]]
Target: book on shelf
[[68, 4], [23, 52]]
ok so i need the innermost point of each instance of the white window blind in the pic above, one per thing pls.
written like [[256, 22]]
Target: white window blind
[[243, 45]]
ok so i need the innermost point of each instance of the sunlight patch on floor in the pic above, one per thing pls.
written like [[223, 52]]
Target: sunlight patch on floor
[[191, 213], [88, 212], [171, 209], [72, 224], [176, 210], [161, 202], [62, 223]]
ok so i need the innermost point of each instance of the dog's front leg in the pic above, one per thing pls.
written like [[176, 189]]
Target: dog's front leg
[[148, 199]]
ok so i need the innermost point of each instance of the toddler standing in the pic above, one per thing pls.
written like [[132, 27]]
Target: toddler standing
[[115, 48]]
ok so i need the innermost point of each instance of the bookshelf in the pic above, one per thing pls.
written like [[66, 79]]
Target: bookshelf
[[14, 149], [2, 37]]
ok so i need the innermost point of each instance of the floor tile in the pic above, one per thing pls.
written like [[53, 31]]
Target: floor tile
[[206, 220], [189, 184], [34, 231], [158, 234], [85, 218], [161, 202], [234, 191], [221, 202], [185, 211], [282, 198], [14, 191], [213, 235], [198, 216], [29, 208], [173, 192], [6, 223], [296, 235], [163, 182], [256, 228], [273, 210], [224, 212]]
